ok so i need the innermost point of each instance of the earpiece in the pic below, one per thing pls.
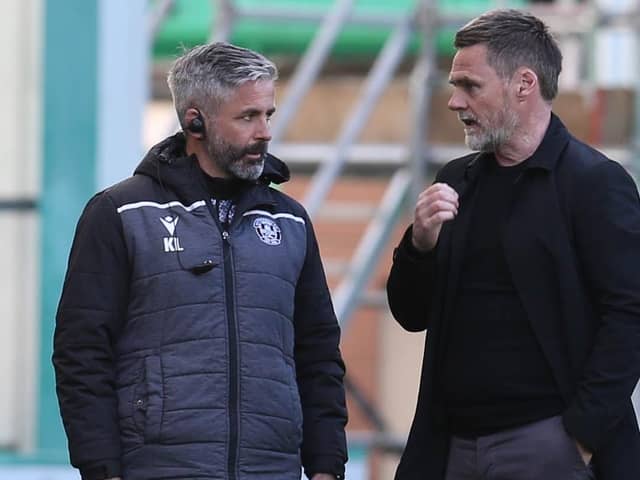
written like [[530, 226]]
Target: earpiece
[[196, 125]]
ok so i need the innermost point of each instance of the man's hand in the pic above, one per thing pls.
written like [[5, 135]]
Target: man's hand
[[436, 205], [323, 476], [584, 453]]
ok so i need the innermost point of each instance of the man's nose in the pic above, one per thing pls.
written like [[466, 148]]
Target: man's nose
[[263, 130], [456, 102]]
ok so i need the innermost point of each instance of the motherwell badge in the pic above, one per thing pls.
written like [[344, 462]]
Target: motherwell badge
[[268, 231]]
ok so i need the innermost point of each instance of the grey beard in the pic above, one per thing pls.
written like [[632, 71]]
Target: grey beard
[[487, 142], [490, 141], [246, 172], [229, 160]]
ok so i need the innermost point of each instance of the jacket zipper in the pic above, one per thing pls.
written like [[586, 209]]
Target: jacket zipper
[[234, 384], [232, 327]]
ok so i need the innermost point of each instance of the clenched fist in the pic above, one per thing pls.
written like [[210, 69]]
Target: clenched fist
[[436, 205]]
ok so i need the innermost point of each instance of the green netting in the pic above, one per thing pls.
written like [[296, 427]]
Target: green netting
[[190, 23]]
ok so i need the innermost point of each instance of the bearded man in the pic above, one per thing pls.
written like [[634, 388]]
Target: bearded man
[[522, 265], [195, 336]]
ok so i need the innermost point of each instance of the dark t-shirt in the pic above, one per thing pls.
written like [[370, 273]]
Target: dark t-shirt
[[494, 375]]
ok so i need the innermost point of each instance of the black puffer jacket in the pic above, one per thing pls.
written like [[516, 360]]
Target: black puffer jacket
[[183, 350]]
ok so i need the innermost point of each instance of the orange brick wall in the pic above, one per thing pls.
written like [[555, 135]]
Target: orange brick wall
[[338, 240]]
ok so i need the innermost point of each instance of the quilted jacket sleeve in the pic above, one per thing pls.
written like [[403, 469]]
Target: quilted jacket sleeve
[[320, 369], [90, 315]]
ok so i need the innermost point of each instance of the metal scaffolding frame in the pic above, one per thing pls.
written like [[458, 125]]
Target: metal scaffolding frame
[[412, 161], [349, 293]]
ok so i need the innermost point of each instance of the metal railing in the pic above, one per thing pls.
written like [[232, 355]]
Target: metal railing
[[310, 65], [375, 84]]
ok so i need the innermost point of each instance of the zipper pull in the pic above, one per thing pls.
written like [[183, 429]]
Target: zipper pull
[[225, 236]]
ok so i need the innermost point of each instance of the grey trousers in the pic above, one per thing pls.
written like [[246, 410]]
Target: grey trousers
[[538, 451]]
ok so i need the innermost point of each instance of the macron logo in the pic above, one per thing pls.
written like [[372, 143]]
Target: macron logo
[[171, 243], [170, 223]]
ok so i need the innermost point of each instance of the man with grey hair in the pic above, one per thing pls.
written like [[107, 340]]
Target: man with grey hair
[[195, 336], [522, 264]]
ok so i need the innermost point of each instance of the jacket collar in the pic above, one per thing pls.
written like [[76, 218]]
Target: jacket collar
[[545, 157], [553, 144], [175, 171]]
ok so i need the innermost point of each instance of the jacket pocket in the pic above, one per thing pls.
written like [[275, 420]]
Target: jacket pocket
[[148, 400]]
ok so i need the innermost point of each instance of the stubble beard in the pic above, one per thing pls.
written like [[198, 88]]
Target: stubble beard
[[499, 131], [231, 159]]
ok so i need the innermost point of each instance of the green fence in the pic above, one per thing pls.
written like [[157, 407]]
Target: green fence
[[190, 21]]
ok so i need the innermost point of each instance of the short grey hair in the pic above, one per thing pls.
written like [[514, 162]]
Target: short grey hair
[[208, 74], [515, 39]]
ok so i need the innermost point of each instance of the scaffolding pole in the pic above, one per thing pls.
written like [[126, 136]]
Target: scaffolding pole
[[423, 79], [310, 65], [223, 22], [158, 16], [302, 15], [377, 80]]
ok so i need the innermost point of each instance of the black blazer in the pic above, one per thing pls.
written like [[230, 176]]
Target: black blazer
[[572, 244]]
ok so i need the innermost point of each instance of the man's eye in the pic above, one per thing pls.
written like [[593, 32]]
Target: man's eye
[[247, 118]]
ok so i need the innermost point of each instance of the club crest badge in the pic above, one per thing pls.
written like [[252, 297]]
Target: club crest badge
[[268, 231]]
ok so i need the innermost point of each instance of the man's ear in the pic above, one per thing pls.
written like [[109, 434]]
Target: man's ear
[[526, 83], [194, 123]]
